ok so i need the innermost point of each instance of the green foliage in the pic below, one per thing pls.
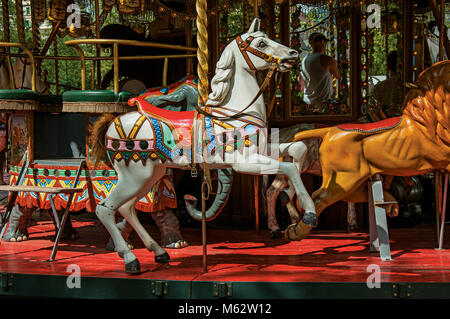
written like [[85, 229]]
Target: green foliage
[[69, 72]]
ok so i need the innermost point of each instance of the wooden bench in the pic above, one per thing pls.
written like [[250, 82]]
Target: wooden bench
[[15, 189]]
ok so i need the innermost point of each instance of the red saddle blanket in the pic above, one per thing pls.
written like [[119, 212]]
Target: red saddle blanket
[[179, 122], [177, 118], [374, 127]]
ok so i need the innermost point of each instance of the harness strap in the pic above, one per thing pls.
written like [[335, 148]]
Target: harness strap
[[272, 102], [240, 113], [244, 47]]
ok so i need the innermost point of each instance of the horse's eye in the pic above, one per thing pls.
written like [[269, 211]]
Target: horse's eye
[[262, 45]]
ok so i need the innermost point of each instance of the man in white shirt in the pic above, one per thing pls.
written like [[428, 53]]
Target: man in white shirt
[[317, 70]]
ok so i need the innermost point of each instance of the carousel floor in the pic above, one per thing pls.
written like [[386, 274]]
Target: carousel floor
[[255, 265]]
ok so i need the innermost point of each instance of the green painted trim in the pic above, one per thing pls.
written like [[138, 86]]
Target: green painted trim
[[96, 96], [29, 285], [18, 94], [325, 290]]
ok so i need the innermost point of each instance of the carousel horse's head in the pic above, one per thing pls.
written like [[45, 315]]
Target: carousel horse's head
[[251, 51], [258, 52]]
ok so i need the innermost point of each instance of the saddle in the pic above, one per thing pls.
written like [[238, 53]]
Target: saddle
[[370, 128], [170, 127], [167, 90]]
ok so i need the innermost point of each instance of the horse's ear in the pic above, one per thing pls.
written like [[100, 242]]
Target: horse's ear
[[256, 24]]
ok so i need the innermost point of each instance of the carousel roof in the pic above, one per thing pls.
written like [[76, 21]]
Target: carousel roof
[[355, 3]]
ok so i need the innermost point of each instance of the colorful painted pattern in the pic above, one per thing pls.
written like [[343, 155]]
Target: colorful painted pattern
[[161, 196], [189, 80]]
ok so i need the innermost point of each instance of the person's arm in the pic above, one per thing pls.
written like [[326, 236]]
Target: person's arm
[[300, 81], [333, 68], [330, 65]]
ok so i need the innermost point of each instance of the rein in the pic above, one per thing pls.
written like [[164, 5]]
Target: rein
[[244, 47], [241, 113]]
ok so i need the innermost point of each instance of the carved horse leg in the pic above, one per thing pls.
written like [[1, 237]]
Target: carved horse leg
[[361, 196], [297, 150], [286, 197], [273, 191], [135, 181], [330, 192], [125, 230], [168, 224], [264, 165], [352, 225]]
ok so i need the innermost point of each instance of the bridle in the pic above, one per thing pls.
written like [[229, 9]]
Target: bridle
[[244, 47], [274, 62]]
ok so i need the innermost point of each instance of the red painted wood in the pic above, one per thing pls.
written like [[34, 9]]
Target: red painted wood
[[371, 127], [237, 256]]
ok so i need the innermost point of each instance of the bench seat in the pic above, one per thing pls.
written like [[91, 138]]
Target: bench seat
[[97, 101], [28, 100]]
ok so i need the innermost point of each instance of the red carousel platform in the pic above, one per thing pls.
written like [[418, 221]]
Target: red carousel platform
[[241, 264]]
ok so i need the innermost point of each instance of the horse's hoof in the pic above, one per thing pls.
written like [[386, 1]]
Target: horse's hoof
[[352, 228], [133, 267], [177, 245], [110, 246], [276, 234], [162, 259], [297, 231]]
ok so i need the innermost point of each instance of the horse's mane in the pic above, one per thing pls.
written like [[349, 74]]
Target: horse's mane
[[428, 103], [221, 82]]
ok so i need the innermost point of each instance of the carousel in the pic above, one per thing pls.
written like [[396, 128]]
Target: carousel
[[120, 116]]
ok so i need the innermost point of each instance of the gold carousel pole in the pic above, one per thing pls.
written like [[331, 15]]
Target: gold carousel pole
[[203, 89], [5, 11], [35, 28], [20, 23]]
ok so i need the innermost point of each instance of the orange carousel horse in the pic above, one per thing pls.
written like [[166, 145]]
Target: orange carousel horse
[[413, 144]]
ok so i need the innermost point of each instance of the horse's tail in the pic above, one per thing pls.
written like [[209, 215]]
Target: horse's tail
[[98, 136], [317, 133]]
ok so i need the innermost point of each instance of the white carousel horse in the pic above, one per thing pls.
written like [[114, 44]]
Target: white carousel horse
[[140, 153]]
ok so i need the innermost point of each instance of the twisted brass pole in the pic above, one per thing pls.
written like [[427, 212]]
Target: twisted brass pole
[[20, 23], [202, 52], [5, 11], [35, 28], [203, 89]]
